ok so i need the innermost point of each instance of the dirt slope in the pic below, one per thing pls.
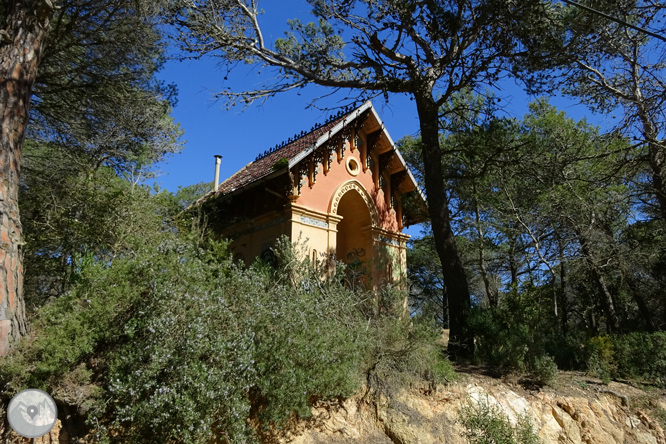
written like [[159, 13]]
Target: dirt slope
[[577, 410]]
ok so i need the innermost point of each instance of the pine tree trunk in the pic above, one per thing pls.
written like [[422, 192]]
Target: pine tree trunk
[[513, 263], [26, 25], [656, 156], [461, 342], [564, 308], [491, 294], [612, 319]]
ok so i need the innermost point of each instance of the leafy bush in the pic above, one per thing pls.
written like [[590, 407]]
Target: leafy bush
[[642, 355], [601, 361], [404, 350], [485, 423], [182, 341], [514, 336], [635, 355], [175, 343]]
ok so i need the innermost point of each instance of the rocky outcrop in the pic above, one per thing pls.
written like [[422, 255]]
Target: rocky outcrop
[[575, 411], [56, 436], [572, 413]]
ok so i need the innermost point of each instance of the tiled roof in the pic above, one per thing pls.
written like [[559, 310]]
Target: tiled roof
[[262, 167]]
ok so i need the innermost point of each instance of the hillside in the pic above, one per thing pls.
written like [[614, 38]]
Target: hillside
[[577, 409]]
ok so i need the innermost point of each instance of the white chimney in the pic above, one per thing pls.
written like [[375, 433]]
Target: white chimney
[[218, 160]]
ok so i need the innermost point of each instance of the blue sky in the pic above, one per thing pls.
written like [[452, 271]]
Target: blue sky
[[239, 135]]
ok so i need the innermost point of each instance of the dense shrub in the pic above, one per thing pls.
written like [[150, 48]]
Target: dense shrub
[[485, 423], [637, 355], [404, 349], [643, 356], [176, 342], [601, 358], [514, 336]]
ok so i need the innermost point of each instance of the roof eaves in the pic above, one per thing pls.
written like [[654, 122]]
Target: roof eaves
[[402, 160], [255, 182], [328, 134]]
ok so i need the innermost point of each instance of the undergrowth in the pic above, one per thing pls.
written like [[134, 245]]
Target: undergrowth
[[177, 343], [484, 423]]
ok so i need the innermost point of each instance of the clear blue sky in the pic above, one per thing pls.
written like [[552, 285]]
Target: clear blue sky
[[239, 135]]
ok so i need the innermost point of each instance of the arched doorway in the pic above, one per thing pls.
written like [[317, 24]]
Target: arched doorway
[[354, 237]]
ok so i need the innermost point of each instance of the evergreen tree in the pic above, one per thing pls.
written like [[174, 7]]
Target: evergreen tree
[[86, 67]]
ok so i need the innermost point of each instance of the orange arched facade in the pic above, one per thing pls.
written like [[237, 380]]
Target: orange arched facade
[[338, 189]]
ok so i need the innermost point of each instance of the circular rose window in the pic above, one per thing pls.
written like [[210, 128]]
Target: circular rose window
[[353, 166]]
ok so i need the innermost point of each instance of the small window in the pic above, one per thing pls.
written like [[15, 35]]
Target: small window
[[353, 167]]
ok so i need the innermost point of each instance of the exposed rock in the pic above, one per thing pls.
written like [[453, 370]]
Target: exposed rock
[[597, 415], [56, 436]]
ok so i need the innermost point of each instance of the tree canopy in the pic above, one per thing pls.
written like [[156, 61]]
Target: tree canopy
[[87, 68]]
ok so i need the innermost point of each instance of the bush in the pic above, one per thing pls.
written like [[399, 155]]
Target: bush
[[404, 350], [182, 343], [635, 355], [219, 341], [601, 361], [176, 343], [514, 336], [485, 423]]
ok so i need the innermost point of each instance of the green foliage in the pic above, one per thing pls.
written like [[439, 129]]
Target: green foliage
[[545, 213], [639, 356], [280, 164], [426, 282], [601, 361], [187, 195], [96, 88], [485, 423], [403, 349], [173, 342], [315, 45], [514, 336], [69, 208], [643, 356]]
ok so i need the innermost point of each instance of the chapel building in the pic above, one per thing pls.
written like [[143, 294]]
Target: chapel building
[[339, 188]]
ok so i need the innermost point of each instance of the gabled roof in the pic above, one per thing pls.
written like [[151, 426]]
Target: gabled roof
[[301, 147], [263, 166]]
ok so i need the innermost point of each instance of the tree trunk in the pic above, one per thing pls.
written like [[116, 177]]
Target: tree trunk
[[461, 342], [655, 146], [612, 320], [513, 263], [491, 294], [445, 309], [564, 315], [655, 155], [26, 24], [637, 295]]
